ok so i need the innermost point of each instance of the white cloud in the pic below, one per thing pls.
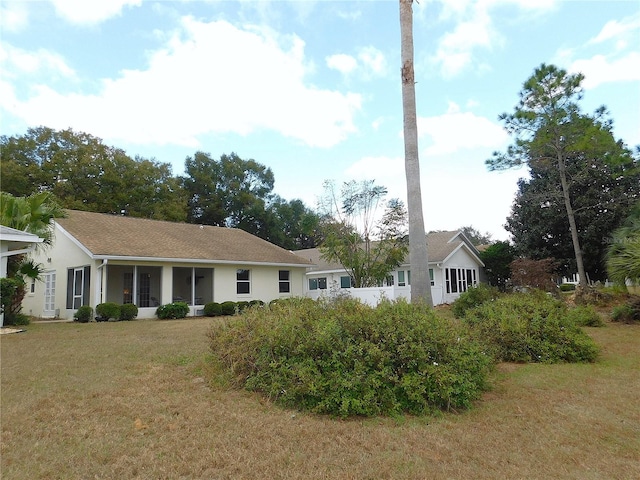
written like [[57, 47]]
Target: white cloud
[[615, 29], [599, 69], [370, 62], [198, 84], [474, 28], [455, 131], [14, 17], [373, 60], [16, 61], [341, 62], [91, 12]]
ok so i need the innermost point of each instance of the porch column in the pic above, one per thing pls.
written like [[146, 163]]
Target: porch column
[[166, 285]]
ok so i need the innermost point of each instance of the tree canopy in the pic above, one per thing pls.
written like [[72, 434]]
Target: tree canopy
[[553, 138], [368, 247]]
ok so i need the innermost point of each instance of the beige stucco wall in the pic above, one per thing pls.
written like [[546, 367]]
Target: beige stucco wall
[[57, 258]]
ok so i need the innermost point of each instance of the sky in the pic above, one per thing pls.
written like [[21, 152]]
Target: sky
[[312, 89]]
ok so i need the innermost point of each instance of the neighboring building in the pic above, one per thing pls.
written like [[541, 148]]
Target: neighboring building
[[97, 258], [454, 266], [14, 242]]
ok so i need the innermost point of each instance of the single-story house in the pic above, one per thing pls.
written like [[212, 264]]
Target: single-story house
[[97, 258], [454, 266], [14, 242]]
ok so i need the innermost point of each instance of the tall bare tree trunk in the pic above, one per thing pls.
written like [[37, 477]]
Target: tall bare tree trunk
[[418, 257], [572, 221]]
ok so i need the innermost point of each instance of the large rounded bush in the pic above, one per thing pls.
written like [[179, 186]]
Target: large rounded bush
[[523, 327], [346, 358], [128, 311], [473, 297], [212, 309], [172, 310], [83, 314], [106, 311]]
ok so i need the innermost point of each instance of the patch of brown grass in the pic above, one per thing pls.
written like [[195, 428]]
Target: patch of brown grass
[[131, 400]]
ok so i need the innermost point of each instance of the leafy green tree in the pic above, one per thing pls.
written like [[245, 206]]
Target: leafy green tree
[[368, 248], [497, 259], [475, 236], [602, 194], [292, 225], [623, 255], [418, 256], [549, 129], [85, 174], [229, 192]]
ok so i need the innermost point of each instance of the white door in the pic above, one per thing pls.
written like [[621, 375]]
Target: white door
[[49, 295]]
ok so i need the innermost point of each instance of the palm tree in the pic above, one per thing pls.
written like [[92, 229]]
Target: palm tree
[[418, 258], [623, 256]]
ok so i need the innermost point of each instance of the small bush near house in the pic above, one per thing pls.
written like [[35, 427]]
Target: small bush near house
[[128, 311], [256, 303], [473, 297], [241, 306], [106, 311], [531, 327], [212, 309], [628, 312], [585, 316], [172, 310], [345, 358], [228, 308], [83, 314], [567, 287]]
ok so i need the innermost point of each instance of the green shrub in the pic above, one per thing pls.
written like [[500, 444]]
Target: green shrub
[[473, 297], [106, 311], [346, 358], [531, 328], [628, 312], [241, 306], [567, 287], [228, 308], [256, 303], [212, 309], [172, 310], [83, 314], [585, 316], [128, 311]]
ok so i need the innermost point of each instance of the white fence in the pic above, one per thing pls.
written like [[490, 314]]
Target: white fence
[[370, 296]]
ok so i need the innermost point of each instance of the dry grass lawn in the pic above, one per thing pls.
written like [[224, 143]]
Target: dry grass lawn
[[130, 400]]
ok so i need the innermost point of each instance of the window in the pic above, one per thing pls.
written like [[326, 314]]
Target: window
[[401, 281], [318, 283], [431, 279], [78, 287], [345, 282], [458, 280], [192, 285], [127, 290], [32, 287], [243, 284], [284, 282]]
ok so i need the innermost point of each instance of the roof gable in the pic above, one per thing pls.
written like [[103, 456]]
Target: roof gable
[[105, 236]]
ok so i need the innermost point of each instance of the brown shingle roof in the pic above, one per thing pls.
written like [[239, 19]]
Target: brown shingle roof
[[114, 235]]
